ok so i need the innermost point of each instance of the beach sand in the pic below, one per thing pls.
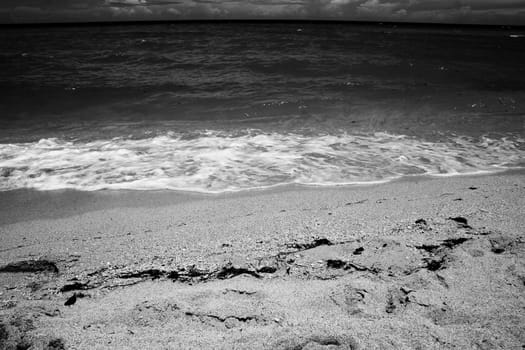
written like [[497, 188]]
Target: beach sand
[[421, 263]]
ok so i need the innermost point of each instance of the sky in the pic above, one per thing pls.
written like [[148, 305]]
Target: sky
[[440, 11]]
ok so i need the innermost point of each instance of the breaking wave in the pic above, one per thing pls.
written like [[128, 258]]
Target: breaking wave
[[215, 162]]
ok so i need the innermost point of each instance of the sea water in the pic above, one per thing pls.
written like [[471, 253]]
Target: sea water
[[228, 106]]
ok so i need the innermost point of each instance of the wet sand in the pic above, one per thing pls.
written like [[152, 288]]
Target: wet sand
[[425, 263]]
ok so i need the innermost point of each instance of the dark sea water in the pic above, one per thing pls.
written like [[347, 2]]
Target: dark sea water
[[215, 107]]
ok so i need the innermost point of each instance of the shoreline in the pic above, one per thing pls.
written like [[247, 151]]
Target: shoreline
[[430, 263], [29, 201]]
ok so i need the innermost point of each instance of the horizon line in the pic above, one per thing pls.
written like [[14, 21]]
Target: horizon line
[[303, 20]]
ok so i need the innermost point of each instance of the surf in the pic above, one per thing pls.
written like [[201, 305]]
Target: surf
[[214, 161]]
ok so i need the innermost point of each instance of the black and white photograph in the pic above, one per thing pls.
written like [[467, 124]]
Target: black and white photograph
[[262, 174]]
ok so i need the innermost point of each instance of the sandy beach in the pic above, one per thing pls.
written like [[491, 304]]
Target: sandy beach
[[423, 263], [262, 175]]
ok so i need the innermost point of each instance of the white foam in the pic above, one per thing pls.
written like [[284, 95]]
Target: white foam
[[215, 162]]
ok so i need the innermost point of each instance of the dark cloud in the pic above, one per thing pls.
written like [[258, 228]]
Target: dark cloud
[[463, 11]]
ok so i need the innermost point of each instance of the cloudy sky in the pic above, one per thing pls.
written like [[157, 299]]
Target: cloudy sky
[[457, 11]]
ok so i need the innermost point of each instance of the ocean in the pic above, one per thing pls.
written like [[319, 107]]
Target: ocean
[[228, 106]]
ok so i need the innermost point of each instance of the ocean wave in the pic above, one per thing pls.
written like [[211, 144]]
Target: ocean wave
[[215, 161]]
